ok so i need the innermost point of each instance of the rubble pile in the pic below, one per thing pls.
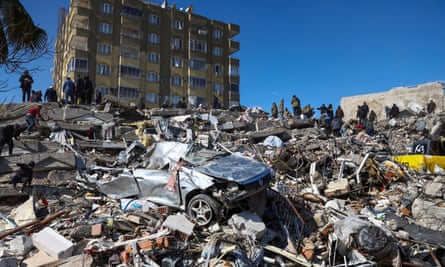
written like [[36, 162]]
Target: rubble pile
[[119, 186]]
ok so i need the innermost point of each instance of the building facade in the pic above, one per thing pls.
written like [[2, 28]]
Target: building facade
[[136, 50], [404, 97]]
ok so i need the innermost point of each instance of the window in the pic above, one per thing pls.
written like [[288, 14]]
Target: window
[[154, 38], [197, 64], [128, 92], [176, 62], [218, 88], [105, 28], [103, 90], [234, 71], [198, 46], [153, 57], [176, 43], [154, 19], [104, 49], [218, 70], [103, 69], [178, 24], [198, 83], [106, 8], [217, 51], [217, 34], [153, 77], [151, 98], [176, 81], [234, 88], [130, 72], [78, 64], [131, 12]]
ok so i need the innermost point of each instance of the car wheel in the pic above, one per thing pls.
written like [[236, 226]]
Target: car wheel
[[203, 209]]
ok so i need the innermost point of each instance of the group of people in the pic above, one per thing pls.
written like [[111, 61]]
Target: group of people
[[75, 92], [329, 120], [10, 132], [79, 92], [307, 110]]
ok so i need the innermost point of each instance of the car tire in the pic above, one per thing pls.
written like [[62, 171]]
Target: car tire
[[203, 209]]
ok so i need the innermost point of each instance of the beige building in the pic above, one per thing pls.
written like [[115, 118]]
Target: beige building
[[410, 98], [135, 50]]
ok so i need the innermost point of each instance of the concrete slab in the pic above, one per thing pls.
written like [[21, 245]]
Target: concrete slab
[[54, 244]]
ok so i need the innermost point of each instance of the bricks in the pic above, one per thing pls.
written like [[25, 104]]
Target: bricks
[[96, 230]]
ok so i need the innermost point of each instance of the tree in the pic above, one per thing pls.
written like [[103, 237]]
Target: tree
[[21, 41]]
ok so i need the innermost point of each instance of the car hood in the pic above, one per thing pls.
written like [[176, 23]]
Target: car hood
[[236, 168]]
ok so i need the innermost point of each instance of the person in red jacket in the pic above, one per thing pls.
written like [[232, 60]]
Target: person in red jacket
[[31, 118]]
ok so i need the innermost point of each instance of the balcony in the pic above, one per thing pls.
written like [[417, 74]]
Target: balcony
[[234, 29], [131, 23], [233, 46], [130, 39], [80, 3], [81, 22], [78, 43]]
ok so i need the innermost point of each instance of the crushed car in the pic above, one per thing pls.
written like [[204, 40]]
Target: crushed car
[[207, 184]]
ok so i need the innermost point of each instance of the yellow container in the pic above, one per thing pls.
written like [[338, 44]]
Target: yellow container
[[420, 162]]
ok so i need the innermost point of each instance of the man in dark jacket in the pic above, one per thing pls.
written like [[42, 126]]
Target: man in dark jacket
[[51, 94], [89, 90], [80, 90], [7, 134], [23, 175], [26, 84]]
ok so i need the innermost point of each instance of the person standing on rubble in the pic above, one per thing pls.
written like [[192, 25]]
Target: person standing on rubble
[[274, 110], [394, 111], [361, 115], [296, 106], [287, 114], [323, 109], [89, 90], [26, 82], [339, 113], [372, 119], [431, 107], [80, 90], [281, 107], [51, 94], [330, 111], [308, 111], [336, 125], [7, 134], [23, 175], [31, 118], [68, 89]]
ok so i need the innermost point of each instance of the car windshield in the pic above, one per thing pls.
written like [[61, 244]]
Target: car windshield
[[198, 155]]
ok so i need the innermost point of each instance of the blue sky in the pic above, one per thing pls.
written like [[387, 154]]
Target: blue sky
[[319, 50]]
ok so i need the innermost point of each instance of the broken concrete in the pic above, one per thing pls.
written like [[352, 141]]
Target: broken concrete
[[319, 183]]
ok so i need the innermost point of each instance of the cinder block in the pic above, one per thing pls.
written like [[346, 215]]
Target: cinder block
[[54, 244]]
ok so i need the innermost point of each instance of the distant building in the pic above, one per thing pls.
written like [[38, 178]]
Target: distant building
[[135, 49], [403, 97]]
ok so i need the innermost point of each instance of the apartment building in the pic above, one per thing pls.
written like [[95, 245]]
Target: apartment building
[[133, 50]]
